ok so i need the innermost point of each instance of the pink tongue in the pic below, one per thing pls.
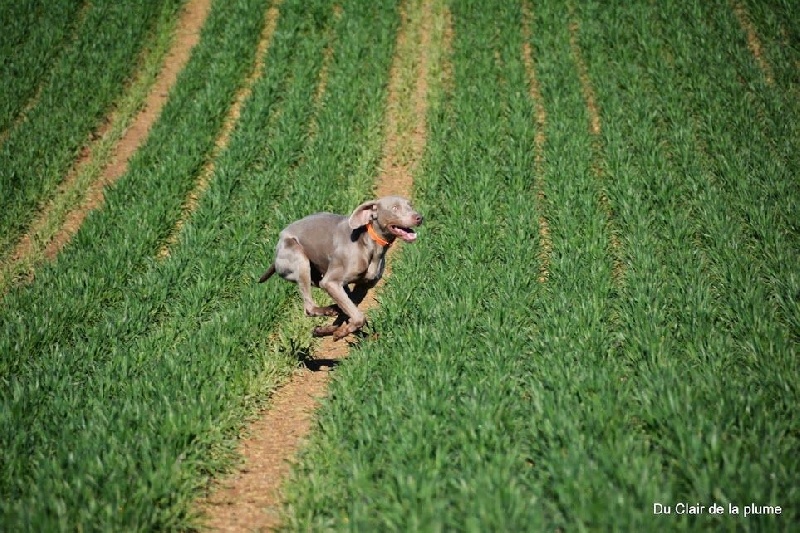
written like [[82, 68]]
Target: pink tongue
[[407, 236]]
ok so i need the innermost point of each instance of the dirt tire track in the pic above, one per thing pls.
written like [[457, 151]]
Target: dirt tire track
[[232, 118], [583, 75], [55, 225], [251, 499], [753, 42], [598, 160], [38, 243], [187, 35], [546, 243]]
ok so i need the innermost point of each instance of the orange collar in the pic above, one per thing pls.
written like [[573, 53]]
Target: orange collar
[[375, 237]]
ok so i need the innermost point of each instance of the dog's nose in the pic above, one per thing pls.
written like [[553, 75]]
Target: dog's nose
[[418, 219]]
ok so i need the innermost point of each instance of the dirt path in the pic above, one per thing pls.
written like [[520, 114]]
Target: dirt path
[[250, 499], [231, 119], [753, 42], [538, 142], [47, 236], [187, 36], [598, 149]]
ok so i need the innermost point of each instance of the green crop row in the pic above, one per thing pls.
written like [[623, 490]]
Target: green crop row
[[139, 215], [34, 33], [89, 77], [706, 199], [491, 402], [775, 24], [422, 427], [132, 393], [60, 334]]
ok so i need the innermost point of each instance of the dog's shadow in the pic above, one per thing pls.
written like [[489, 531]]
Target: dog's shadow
[[316, 365]]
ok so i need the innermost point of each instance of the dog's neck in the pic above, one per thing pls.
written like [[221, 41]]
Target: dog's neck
[[377, 254], [377, 238]]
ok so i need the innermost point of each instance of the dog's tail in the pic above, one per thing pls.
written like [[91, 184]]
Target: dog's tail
[[266, 275]]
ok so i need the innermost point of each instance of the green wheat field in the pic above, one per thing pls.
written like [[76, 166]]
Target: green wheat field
[[598, 324]]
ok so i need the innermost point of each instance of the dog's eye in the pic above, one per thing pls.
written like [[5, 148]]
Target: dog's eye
[[395, 207]]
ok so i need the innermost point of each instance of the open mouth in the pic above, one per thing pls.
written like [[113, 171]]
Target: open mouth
[[407, 234]]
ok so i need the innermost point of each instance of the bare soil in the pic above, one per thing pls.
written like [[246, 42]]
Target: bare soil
[[250, 499], [546, 243], [753, 42], [222, 140], [187, 36]]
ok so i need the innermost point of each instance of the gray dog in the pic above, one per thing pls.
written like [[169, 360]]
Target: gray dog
[[333, 251]]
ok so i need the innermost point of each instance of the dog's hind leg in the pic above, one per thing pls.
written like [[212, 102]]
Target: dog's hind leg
[[292, 264]]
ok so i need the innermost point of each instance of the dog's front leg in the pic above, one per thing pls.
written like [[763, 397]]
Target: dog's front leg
[[356, 319]]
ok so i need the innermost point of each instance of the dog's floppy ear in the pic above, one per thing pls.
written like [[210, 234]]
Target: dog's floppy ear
[[363, 214]]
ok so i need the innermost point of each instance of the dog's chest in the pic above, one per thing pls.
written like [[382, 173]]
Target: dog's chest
[[375, 269], [372, 268]]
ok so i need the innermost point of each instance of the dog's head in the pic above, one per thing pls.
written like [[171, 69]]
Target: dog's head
[[394, 217]]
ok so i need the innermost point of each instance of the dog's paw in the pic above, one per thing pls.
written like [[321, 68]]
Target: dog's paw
[[323, 331], [343, 331], [331, 310]]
